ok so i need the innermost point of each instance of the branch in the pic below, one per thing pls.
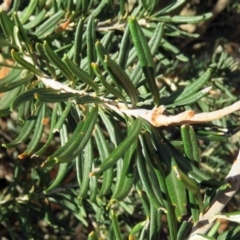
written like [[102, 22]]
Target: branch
[[155, 116], [158, 119], [220, 201], [53, 84]]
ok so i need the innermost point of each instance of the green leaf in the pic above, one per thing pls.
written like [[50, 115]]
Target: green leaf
[[6, 101], [124, 48], [155, 223], [155, 184], [170, 7], [145, 181], [191, 19], [49, 25], [190, 143], [184, 230], [194, 206], [78, 72], [64, 167], [25, 64], [27, 96], [90, 39], [116, 227], [124, 182], [26, 130], [7, 25], [78, 141], [214, 229], [63, 116], [184, 19], [140, 43], [192, 99], [120, 150], [122, 78], [51, 134], [53, 57], [36, 21], [86, 165], [28, 11], [174, 50], [145, 57], [78, 42], [104, 152], [10, 77], [177, 195], [117, 74], [24, 38], [37, 134], [137, 228], [17, 82], [105, 84], [187, 92]]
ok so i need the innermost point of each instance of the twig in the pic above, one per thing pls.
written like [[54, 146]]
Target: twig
[[48, 82], [155, 116], [220, 201], [158, 119]]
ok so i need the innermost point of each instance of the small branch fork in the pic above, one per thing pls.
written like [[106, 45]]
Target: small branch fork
[[220, 200], [155, 116]]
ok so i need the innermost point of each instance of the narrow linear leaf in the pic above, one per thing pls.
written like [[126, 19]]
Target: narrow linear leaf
[[103, 149], [49, 25], [123, 79], [116, 227], [28, 11], [90, 39], [81, 74], [36, 21], [120, 150], [27, 96], [37, 134], [190, 143], [7, 24], [53, 57], [145, 57], [81, 140], [16, 56], [177, 195], [106, 85], [15, 84], [88, 158], [63, 168], [24, 37], [78, 42]]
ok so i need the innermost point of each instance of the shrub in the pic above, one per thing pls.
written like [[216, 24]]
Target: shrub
[[120, 132]]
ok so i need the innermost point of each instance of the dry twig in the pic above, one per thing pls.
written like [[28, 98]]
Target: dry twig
[[220, 201], [155, 116]]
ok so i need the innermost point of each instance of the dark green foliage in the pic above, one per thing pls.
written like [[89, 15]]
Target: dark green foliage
[[81, 72]]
